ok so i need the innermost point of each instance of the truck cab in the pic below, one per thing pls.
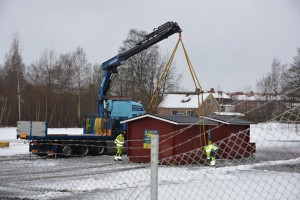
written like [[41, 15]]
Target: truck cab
[[117, 111], [124, 108]]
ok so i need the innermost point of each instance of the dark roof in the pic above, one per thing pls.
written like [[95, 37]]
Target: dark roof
[[230, 119], [174, 119], [189, 120], [186, 119]]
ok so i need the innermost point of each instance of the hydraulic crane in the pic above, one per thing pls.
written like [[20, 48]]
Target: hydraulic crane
[[99, 131], [111, 65]]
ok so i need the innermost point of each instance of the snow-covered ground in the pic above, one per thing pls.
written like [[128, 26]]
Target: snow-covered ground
[[273, 173], [18, 146], [275, 135]]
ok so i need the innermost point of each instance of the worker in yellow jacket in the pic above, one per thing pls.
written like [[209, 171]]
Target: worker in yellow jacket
[[211, 151], [119, 141]]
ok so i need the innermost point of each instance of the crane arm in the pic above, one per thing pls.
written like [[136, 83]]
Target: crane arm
[[160, 33], [111, 65]]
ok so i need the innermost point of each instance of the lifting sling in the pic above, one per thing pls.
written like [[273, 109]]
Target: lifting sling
[[198, 89]]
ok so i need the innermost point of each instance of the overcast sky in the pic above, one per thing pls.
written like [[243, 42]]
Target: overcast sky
[[231, 43]]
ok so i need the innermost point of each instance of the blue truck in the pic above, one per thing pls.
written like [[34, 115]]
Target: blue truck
[[100, 130]]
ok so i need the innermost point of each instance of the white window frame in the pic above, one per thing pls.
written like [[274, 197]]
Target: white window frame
[[189, 112], [174, 112]]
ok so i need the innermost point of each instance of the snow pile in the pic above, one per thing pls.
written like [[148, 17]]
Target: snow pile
[[275, 135], [16, 146]]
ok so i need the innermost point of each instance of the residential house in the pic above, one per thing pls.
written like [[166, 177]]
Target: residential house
[[258, 107], [181, 104]]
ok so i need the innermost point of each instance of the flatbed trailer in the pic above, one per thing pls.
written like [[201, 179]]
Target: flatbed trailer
[[43, 144]]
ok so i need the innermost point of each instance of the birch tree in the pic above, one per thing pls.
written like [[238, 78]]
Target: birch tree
[[41, 74], [3, 97], [271, 83], [82, 71], [14, 70]]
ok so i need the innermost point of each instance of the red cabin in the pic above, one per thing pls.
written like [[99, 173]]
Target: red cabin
[[181, 138]]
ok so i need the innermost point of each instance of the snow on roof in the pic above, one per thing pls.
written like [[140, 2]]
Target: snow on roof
[[255, 97], [244, 97], [182, 101], [230, 119], [220, 95], [229, 113]]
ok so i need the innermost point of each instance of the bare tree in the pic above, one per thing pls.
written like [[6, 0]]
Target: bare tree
[[3, 98], [57, 89], [82, 71], [291, 77], [270, 86], [263, 86], [65, 77], [271, 83], [14, 70], [57, 85], [41, 74]]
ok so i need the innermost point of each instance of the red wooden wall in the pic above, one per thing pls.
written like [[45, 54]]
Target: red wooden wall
[[185, 147]]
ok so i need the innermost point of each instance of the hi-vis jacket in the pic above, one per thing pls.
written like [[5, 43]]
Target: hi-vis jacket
[[210, 148], [119, 140]]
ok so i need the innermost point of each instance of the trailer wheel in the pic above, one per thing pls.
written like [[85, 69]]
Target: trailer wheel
[[84, 150], [67, 150], [98, 151]]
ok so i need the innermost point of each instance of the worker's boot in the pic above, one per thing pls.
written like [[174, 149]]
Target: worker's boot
[[116, 158], [208, 160], [119, 158], [213, 161]]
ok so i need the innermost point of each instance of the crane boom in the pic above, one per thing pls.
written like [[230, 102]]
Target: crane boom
[[111, 65]]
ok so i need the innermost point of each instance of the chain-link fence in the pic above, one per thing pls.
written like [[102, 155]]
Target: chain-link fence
[[267, 168]]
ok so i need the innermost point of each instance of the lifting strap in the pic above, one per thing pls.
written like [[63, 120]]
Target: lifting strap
[[156, 94]]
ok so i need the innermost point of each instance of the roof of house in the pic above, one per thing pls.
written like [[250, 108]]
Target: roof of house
[[175, 119], [255, 97], [230, 119], [221, 95], [182, 101]]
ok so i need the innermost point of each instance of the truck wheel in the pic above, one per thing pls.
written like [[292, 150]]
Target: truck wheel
[[98, 151], [84, 150], [67, 150]]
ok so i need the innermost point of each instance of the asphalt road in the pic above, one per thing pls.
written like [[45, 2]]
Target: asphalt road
[[18, 172]]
